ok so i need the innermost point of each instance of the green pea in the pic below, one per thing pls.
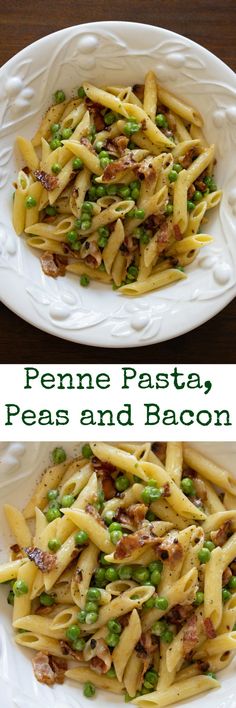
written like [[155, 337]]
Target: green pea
[[209, 544], [135, 193], [167, 636], [132, 271], [158, 628], [30, 202], [59, 96], [122, 483], [112, 639], [84, 280], [72, 632], [81, 92], [150, 516], [102, 241], [58, 455], [46, 599], [115, 526], [232, 583], [197, 196], [77, 223], [104, 161], [72, 237], [114, 626], [108, 517], [111, 574], [85, 224], [77, 164], [79, 644], [139, 213], [52, 494], [87, 451], [92, 193], [116, 536], [144, 238], [187, 486], [53, 513], [155, 577], [54, 544], [155, 565], [169, 209], [111, 672], [10, 598], [91, 606], [204, 555], [161, 121], [67, 500], [199, 598], [91, 617], [131, 127], [151, 494], [87, 207], [66, 133], [190, 205], [81, 616], [20, 588], [55, 143], [210, 183], [55, 127], [226, 594], [140, 575], [132, 145], [56, 168], [173, 176], [149, 604], [99, 577], [102, 559], [111, 190], [161, 603], [89, 690], [81, 537], [101, 192], [93, 594], [99, 146], [125, 572], [124, 192], [177, 167], [211, 674], [151, 677], [51, 210], [109, 118]]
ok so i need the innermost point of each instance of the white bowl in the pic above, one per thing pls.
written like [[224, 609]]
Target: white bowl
[[20, 466], [117, 52]]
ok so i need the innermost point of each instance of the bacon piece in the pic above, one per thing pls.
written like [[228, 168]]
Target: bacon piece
[[68, 651], [166, 490], [48, 181], [209, 628], [91, 254], [49, 669], [94, 512], [114, 168], [104, 471], [201, 186], [177, 232], [188, 472], [121, 143], [220, 536], [52, 264], [145, 170], [179, 614], [227, 574], [43, 610], [15, 548], [137, 513], [233, 566], [200, 489], [203, 666], [170, 549], [131, 542], [86, 142], [45, 561], [191, 191], [96, 110], [163, 234], [159, 449], [99, 656], [190, 636], [186, 161], [149, 642]]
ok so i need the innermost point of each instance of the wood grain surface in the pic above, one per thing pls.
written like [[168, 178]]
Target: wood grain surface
[[212, 24]]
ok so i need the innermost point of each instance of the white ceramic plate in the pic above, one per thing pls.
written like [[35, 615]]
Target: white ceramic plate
[[117, 52], [20, 466]]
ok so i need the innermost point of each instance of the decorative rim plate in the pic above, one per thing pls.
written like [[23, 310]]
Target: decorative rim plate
[[117, 52], [20, 466]]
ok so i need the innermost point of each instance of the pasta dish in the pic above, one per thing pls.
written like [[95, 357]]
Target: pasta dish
[[122, 574], [116, 185]]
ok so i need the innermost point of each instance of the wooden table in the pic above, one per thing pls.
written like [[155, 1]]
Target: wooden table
[[209, 23]]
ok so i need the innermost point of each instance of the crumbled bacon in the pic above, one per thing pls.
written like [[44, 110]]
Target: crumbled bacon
[[191, 191], [203, 666], [159, 449], [220, 536], [68, 651], [94, 512], [121, 143], [131, 542], [52, 265], [48, 181], [91, 254], [179, 614], [145, 170], [43, 610], [200, 489], [149, 642], [209, 628], [15, 548], [86, 142], [138, 89], [233, 566], [227, 574], [45, 561], [170, 549], [177, 232], [49, 669], [163, 234], [114, 168], [103, 471], [200, 185], [137, 513], [186, 161], [99, 656], [166, 490], [190, 637], [189, 472], [96, 110], [131, 244]]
